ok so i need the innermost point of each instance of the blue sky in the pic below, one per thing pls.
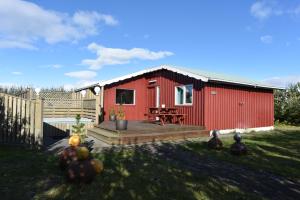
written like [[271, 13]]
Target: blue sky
[[72, 43]]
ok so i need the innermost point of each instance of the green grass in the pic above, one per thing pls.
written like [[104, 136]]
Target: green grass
[[276, 151], [24, 172], [137, 174]]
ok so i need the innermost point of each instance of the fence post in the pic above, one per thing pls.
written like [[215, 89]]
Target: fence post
[[30, 94], [82, 108], [98, 109], [39, 121]]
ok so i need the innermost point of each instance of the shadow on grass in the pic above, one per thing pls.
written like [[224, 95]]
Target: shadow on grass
[[137, 173], [166, 171], [277, 152]]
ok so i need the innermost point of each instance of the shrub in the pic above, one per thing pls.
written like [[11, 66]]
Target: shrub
[[287, 105]]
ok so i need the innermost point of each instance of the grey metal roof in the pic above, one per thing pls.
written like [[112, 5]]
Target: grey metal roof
[[212, 76], [193, 73]]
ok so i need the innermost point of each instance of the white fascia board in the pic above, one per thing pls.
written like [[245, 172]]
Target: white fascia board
[[179, 71], [202, 78], [87, 87], [189, 74]]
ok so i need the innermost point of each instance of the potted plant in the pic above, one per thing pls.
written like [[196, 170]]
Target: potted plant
[[112, 114], [121, 122]]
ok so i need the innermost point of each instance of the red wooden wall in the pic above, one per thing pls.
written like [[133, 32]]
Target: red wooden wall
[[215, 106], [229, 107], [132, 112], [167, 81]]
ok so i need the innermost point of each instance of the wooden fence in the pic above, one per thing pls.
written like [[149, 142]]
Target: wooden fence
[[21, 120], [56, 108], [31, 94], [65, 104]]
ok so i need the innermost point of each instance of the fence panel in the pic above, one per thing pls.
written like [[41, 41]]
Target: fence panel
[[65, 104], [57, 108], [21, 120]]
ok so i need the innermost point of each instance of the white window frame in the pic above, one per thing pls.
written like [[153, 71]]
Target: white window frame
[[124, 103], [184, 98]]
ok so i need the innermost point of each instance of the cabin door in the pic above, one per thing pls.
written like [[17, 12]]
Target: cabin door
[[153, 97]]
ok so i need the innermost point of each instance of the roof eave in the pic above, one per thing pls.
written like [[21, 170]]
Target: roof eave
[[122, 78], [179, 71], [247, 84], [87, 87]]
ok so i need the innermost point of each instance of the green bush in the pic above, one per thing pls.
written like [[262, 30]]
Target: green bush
[[287, 105]]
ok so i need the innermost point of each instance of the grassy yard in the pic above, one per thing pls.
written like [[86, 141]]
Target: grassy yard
[[275, 151], [168, 171]]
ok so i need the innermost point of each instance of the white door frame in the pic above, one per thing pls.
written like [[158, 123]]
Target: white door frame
[[157, 96], [157, 99]]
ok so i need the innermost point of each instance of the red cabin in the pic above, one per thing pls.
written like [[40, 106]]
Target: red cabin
[[206, 99]]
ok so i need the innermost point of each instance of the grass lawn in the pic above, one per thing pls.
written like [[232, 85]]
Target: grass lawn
[[275, 151], [168, 171]]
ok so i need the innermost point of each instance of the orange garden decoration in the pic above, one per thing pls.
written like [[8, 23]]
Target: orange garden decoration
[[74, 140], [78, 163]]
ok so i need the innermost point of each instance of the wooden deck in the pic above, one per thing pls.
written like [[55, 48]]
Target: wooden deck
[[144, 132]]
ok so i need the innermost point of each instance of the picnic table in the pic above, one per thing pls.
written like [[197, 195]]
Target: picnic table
[[167, 114]]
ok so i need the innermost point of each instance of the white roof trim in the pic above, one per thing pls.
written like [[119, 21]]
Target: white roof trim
[[192, 75], [179, 71]]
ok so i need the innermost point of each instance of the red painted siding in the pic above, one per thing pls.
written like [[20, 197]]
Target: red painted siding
[[229, 107], [132, 112], [167, 81]]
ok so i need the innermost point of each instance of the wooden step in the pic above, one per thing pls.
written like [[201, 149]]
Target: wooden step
[[111, 137], [101, 134]]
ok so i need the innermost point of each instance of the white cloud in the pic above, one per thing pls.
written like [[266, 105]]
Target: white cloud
[[57, 66], [294, 11], [79, 84], [83, 75], [88, 20], [9, 44], [17, 73], [282, 81], [54, 66], [116, 56], [24, 23], [261, 10], [267, 8], [267, 39]]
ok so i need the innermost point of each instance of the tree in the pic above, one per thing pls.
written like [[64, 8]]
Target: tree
[[78, 128], [287, 105]]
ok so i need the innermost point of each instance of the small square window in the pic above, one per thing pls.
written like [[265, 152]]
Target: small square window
[[125, 96], [184, 95]]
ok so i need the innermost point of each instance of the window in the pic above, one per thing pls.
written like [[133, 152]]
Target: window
[[184, 95], [125, 96]]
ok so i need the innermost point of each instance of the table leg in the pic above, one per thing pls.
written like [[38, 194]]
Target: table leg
[[180, 120], [162, 120]]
